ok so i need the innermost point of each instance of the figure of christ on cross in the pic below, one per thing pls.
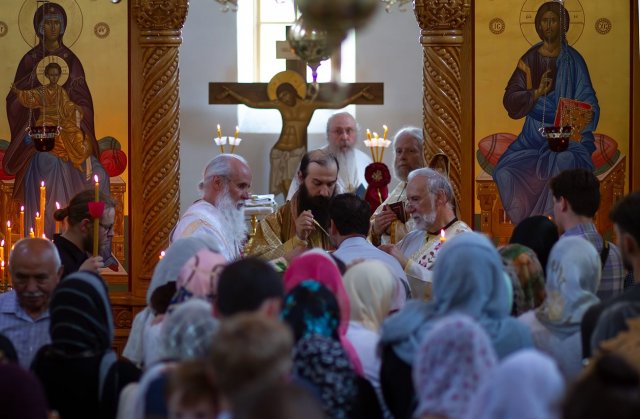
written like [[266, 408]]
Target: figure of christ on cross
[[287, 92]]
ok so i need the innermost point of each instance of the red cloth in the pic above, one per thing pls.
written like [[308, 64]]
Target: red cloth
[[378, 176]]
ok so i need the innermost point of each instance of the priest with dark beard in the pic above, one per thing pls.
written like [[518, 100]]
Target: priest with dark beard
[[302, 222]]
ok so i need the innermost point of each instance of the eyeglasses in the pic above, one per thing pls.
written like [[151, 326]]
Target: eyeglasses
[[340, 131], [107, 228]]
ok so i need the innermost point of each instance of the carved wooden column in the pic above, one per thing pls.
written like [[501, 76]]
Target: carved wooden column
[[442, 37], [155, 140]]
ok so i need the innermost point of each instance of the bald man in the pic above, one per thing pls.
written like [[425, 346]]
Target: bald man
[[220, 213], [35, 270]]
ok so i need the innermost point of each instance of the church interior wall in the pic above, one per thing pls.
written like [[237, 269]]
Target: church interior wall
[[387, 51]]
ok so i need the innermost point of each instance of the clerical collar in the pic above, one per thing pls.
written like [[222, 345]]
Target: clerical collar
[[431, 233]]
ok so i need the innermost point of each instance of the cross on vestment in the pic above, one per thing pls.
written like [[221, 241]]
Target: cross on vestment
[[288, 92]]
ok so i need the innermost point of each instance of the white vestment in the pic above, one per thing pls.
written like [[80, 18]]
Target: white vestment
[[397, 229], [422, 249], [349, 178], [204, 218]]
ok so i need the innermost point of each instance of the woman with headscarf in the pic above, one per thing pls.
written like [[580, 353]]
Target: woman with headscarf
[[526, 385], [526, 275], [186, 333], [21, 394], [450, 363], [79, 370], [371, 288], [467, 278], [573, 276], [323, 269], [160, 292]]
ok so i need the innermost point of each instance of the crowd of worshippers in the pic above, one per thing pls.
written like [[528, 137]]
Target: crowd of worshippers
[[335, 310]]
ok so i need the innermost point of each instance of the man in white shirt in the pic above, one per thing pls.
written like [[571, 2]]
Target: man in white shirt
[[349, 227], [342, 133], [220, 213], [430, 202]]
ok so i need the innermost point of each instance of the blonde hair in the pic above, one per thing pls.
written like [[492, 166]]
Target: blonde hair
[[371, 288]]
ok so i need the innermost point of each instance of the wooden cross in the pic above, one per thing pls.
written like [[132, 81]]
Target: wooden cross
[[289, 94]]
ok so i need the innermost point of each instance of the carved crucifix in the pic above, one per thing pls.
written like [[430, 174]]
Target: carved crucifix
[[288, 93]]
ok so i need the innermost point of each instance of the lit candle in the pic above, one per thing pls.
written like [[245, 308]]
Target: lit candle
[[376, 144], [369, 144], [219, 132], [31, 233], [2, 274], [237, 132], [368, 134], [442, 236], [22, 226], [8, 235], [161, 255], [57, 222], [96, 221], [37, 224], [384, 135], [43, 201], [2, 250]]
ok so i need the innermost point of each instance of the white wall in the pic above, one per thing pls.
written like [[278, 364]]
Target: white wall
[[387, 51]]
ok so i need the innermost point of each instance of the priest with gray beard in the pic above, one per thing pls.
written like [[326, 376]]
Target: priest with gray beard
[[342, 133], [220, 212]]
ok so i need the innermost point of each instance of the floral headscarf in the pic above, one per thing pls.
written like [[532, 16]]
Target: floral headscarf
[[527, 277], [311, 309]]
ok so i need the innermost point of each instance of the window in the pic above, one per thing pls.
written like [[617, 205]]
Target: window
[[260, 23]]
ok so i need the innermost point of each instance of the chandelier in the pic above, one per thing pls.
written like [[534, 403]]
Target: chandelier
[[388, 4]]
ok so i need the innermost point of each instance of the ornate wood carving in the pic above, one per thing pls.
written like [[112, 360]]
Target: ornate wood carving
[[442, 28], [156, 204]]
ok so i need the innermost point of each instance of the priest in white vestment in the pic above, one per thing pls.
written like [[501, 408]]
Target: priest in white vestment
[[430, 203], [220, 213], [386, 227], [342, 133]]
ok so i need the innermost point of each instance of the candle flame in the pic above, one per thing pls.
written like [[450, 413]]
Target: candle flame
[[9, 224], [44, 236], [21, 208], [95, 178], [2, 264], [2, 243], [162, 254], [57, 205], [37, 214], [442, 236], [42, 183]]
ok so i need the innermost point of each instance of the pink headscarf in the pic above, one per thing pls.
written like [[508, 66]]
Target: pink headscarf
[[199, 276], [323, 269]]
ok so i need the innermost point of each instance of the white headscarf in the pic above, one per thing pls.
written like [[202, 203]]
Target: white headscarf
[[450, 363], [370, 287], [525, 385], [573, 276]]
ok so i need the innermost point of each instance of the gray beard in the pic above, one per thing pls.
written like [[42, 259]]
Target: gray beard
[[234, 217], [425, 221], [348, 172]]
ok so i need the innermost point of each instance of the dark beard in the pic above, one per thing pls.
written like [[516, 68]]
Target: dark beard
[[319, 205]]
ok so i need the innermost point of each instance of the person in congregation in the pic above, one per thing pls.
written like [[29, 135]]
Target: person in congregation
[[145, 327], [371, 288], [75, 244], [303, 221], [225, 186], [80, 373], [35, 270], [626, 223], [250, 353], [468, 279], [408, 156], [249, 285], [451, 362], [527, 277], [573, 276], [342, 133], [349, 227], [190, 392], [430, 202], [539, 234], [526, 384], [21, 394], [576, 198]]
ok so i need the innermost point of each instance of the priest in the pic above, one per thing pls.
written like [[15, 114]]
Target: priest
[[386, 226], [342, 133], [303, 222], [431, 206]]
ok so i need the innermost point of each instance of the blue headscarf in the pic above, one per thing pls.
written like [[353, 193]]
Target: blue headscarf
[[468, 278]]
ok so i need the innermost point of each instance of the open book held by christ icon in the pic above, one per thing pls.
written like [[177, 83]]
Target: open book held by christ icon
[[399, 210], [575, 114]]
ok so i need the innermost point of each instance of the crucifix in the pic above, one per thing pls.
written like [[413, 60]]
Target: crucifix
[[288, 93]]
